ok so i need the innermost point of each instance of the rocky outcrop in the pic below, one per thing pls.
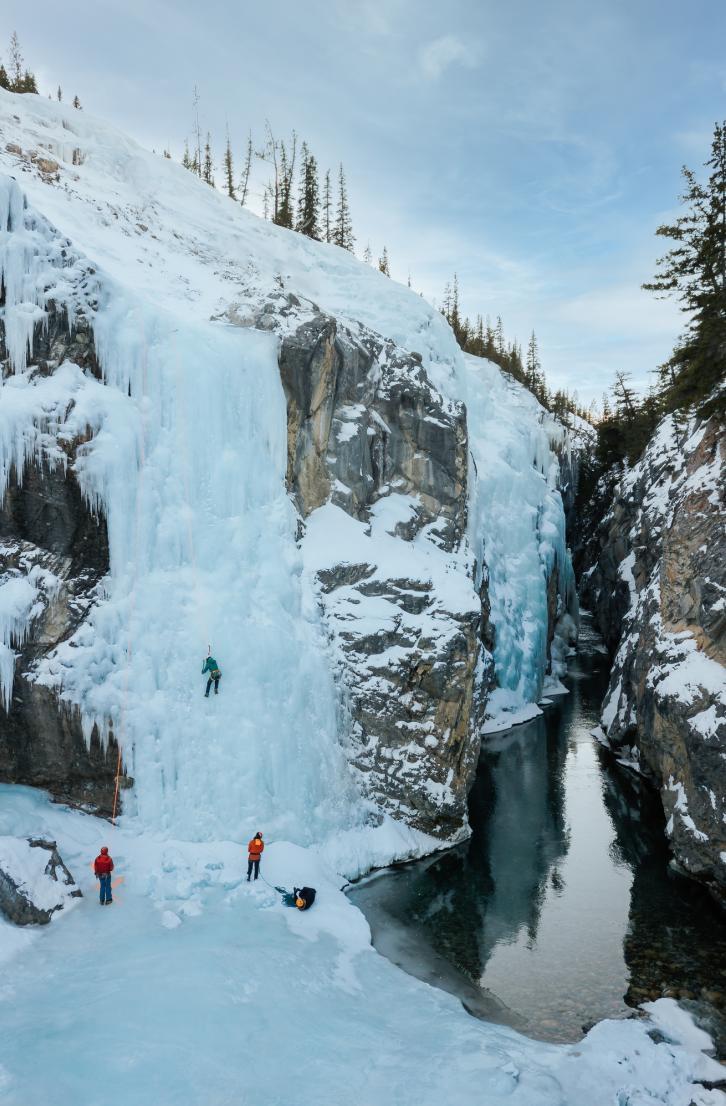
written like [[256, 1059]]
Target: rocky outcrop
[[53, 556], [379, 458], [34, 881], [657, 589]]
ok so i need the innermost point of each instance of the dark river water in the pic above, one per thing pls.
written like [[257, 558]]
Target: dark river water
[[561, 909]]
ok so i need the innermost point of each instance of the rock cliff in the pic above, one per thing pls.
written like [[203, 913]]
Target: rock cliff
[[657, 588]]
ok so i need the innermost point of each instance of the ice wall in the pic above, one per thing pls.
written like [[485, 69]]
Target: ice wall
[[187, 461], [517, 527]]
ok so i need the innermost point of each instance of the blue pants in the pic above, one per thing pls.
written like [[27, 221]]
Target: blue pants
[[209, 684], [105, 882]]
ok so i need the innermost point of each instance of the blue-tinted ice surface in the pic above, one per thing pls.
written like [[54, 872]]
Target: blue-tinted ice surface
[[197, 989]]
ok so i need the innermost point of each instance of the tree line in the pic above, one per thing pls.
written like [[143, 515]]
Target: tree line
[[484, 339], [16, 77], [293, 196]]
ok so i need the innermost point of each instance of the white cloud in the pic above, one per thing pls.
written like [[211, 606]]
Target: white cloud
[[448, 50]]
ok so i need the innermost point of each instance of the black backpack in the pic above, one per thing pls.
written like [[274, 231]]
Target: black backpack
[[306, 895]]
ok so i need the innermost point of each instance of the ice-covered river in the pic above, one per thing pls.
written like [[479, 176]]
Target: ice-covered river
[[561, 909]]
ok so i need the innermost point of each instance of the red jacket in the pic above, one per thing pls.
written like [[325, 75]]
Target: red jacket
[[103, 865], [256, 848]]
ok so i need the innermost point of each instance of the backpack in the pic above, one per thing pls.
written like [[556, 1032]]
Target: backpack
[[306, 896]]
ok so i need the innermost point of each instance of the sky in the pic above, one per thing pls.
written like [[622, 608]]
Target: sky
[[531, 148]]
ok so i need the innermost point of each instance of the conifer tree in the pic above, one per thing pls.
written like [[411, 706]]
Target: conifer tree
[[197, 156], [244, 182], [694, 271], [327, 209], [383, 264], [367, 254], [16, 63], [308, 211], [284, 163], [455, 317], [499, 337], [533, 366], [4, 79], [76, 103], [186, 159], [59, 94], [208, 168], [229, 170], [343, 235], [446, 304]]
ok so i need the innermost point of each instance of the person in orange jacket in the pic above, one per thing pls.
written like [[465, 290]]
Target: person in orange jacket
[[255, 850], [103, 866]]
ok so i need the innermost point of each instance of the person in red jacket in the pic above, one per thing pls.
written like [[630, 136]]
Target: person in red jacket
[[255, 850], [103, 866]]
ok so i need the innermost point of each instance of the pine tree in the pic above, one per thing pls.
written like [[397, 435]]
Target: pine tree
[[59, 94], [694, 271], [308, 211], [343, 234], [197, 157], [229, 170], [77, 103], [499, 337], [16, 63], [446, 303], [367, 254], [285, 172], [533, 366], [4, 79], [244, 182], [455, 317], [208, 168], [327, 209], [383, 264], [186, 159]]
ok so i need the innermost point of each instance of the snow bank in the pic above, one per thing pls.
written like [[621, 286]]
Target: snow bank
[[198, 988]]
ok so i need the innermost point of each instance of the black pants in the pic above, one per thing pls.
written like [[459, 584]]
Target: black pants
[[253, 864], [209, 684]]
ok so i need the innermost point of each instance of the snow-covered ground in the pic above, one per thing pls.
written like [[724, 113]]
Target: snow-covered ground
[[195, 989]]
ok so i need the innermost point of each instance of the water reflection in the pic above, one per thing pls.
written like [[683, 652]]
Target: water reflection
[[560, 910]]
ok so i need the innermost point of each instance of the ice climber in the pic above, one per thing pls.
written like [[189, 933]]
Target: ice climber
[[103, 866], [211, 666], [255, 850]]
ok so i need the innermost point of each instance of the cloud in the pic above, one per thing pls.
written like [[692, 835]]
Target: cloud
[[448, 50]]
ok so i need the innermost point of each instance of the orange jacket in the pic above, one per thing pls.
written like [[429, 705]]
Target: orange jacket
[[256, 848]]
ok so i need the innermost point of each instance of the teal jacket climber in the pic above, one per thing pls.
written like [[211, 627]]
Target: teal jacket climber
[[211, 666]]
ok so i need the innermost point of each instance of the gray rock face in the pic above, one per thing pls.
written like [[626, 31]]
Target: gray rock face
[[26, 898], [365, 426], [658, 592], [50, 538], [363, 421]]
